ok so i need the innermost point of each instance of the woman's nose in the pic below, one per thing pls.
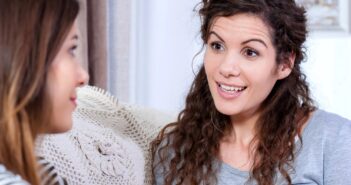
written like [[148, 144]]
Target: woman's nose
[[230, 66], [83, 76]]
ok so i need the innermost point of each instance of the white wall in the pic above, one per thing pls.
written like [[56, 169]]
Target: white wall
[[168, 38], [329, 72], [165, 44]]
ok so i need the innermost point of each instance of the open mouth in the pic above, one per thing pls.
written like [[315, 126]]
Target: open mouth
[[231, 89]]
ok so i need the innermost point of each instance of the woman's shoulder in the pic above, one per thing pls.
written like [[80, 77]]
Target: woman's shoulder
[[329, 128], [330, 137], [329, 122], [7, 177]]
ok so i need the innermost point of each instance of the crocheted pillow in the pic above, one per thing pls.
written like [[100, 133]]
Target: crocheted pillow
[[108, 144]]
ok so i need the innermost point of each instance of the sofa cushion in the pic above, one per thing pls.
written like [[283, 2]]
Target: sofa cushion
[[109, 142]]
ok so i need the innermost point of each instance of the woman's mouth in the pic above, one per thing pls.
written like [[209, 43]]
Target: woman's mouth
[[228, 88], [73, 100], [230, 91]]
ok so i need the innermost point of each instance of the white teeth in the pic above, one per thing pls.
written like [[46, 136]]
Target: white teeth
[[231, 88]]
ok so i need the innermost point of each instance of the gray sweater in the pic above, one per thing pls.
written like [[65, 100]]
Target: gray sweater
[[324, 159], [7, 177]]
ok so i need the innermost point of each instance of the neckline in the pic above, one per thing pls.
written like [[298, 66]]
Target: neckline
[[304, 133]]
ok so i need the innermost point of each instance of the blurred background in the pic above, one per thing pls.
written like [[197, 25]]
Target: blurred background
[[143, 51]]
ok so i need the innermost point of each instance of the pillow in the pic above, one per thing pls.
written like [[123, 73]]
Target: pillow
[[109, 142]]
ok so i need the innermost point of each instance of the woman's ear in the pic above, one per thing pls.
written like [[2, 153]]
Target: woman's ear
[[285, 68]]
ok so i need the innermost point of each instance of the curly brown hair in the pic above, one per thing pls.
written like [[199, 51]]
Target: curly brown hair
[[185, 150]]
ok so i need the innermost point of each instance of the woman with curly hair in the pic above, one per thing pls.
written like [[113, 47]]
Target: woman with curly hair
[[249, 117], [39, 72]]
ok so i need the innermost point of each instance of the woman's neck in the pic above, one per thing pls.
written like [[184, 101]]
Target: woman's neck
[[243, 129]]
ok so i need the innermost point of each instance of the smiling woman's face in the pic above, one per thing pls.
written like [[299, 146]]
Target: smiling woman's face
[[240, 64], [64, 76]]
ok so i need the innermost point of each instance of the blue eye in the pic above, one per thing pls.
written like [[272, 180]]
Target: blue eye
[[251, 52], [72, 50], [216, 46]]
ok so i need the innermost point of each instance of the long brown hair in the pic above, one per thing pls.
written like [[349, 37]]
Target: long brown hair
[[31, 34], [186, 150]]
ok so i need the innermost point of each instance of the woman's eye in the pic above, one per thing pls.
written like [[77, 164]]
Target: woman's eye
[[251, 52], [217, 46], [72, 50]]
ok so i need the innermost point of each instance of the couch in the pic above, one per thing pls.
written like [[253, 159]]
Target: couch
[[109, 142]]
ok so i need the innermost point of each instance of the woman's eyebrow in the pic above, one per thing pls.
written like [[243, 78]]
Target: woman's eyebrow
[[245, 42], [214, 33], [255, 40], [74, 37]]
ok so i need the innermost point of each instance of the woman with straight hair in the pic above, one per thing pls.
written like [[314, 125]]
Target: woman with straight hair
[[249, 117], [39, 73]]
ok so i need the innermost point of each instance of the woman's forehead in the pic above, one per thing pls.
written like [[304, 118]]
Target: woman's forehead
[[241, 23]]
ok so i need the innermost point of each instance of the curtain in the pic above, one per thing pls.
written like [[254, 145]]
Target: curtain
[[93, 28], [105, 41]]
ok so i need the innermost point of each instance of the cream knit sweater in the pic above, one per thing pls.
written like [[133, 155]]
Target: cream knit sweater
[[108, 144]]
